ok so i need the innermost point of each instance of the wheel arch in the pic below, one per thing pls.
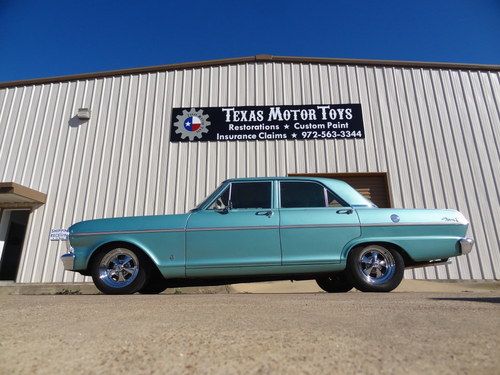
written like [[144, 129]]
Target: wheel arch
[[123, 243], [388, 244]]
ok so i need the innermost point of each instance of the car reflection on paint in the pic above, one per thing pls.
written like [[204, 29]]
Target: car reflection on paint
[[260, 229]]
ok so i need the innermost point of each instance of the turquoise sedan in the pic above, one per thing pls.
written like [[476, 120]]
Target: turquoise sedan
[[261, 229]]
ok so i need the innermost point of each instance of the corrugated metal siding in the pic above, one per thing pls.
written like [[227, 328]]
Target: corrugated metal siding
[[435, 131]]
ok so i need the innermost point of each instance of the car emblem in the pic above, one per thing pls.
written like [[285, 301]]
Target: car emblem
[[395, 218]]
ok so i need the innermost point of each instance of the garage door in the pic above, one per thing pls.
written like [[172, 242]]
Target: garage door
[[373, 186]]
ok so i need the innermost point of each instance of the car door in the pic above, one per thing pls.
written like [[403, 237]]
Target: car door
[[240, 228], [314, 224]]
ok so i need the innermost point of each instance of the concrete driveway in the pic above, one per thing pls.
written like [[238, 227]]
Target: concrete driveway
[[311, 333]]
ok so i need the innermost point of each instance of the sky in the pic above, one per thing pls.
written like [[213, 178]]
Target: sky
[[53, 38]]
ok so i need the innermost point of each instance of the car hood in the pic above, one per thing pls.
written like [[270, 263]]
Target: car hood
[[134, 223]]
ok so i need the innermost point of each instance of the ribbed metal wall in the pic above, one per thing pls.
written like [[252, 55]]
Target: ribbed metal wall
[[435, 131]]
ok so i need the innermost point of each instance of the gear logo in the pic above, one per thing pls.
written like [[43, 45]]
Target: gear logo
[[192, 124]]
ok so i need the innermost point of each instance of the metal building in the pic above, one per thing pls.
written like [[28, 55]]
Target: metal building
[[431, 140]]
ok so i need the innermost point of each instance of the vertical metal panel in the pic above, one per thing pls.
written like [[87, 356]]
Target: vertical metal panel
[[435, 131]]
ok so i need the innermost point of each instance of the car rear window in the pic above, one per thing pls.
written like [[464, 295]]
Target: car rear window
[[302, 194]]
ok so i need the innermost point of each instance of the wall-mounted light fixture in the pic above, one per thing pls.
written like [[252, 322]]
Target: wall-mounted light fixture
[[83, 113]]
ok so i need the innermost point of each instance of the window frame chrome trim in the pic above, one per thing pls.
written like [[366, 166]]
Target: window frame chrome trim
[[223, 189], [230, 185], [325, 192]]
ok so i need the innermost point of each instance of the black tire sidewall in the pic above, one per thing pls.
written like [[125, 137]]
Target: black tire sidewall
[[337, 283], [133, 287], [357, 277], [155, 284]]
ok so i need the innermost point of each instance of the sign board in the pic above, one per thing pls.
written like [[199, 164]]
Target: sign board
[[59, 234], [279, 122]]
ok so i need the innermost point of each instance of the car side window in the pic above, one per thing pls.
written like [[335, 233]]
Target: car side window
[[221, 202], [251, 195], [333, 200], [302, 194]]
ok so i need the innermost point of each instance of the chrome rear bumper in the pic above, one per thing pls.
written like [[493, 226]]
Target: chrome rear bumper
[[466, 245], [68, 260]]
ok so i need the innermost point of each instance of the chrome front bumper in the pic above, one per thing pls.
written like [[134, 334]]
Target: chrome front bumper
[[466, 244], [68, 260]]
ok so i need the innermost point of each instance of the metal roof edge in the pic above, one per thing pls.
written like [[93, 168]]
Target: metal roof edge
[[252, 59], [22, 191]]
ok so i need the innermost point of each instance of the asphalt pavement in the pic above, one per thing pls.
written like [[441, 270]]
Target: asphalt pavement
[[301, 333]]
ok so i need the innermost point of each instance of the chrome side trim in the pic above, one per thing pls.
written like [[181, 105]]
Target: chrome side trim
[[318, 226], [176, 230], [391, 224], [255, 227], [203, 229], [127, 232], [273, 227]]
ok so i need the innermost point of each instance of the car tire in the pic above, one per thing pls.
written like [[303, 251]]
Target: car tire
[[119, 270], [375, 268], [335, 283], [155, 285]]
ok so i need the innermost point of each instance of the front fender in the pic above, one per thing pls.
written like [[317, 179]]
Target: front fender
[[166, 250], [84, 254], [161, 237]]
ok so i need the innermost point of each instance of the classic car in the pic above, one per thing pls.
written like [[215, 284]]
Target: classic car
[[261, 229]]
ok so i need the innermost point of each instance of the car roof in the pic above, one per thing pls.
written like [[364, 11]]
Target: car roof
[[289, 178], [341, 188]]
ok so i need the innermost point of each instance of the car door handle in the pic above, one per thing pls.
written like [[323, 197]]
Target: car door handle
[[345, 211], [268, 213]]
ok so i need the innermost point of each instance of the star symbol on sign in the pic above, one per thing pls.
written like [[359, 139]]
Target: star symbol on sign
[[294, 135], [287, 126], [188, 123]]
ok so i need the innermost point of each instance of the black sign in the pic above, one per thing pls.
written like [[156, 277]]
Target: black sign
[[338, 121]]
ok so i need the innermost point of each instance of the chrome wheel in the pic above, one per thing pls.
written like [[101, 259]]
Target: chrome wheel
[[118, 268], [376, 264]]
